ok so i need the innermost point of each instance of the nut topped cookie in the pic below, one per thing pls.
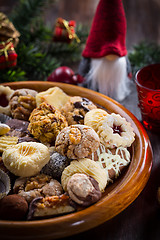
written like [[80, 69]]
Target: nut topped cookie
[[77, 141], [22, 103], [37, 186], [46, 122]]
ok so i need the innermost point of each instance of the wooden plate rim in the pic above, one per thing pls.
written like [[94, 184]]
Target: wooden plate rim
[[124, 193]]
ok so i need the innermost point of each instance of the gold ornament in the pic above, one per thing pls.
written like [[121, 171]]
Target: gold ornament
[[7, 30]]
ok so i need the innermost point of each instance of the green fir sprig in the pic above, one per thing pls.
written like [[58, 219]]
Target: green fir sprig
[[24, 14], [143, 54]]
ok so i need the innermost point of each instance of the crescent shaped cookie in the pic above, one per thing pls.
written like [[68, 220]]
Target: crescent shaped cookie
[[4, 129]]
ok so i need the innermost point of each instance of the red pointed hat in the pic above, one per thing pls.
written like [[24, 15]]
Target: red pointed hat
[[108, 31]]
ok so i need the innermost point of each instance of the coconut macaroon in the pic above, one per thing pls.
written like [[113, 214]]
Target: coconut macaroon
[[46, 122]]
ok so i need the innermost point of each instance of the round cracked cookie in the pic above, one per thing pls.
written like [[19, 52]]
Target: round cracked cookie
[[75, 109], [77, 141]]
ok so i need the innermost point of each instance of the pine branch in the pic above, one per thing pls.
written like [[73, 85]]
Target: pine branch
[[144, 54], [34, 62], [24, 14], [12, 75]]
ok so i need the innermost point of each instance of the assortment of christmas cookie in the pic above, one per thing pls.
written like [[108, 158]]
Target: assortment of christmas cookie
[[58, 152]]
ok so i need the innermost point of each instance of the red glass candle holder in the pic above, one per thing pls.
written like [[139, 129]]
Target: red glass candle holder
[[148, 87]]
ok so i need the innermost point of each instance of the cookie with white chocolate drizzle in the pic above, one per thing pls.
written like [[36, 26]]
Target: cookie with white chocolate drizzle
[[111, 160]]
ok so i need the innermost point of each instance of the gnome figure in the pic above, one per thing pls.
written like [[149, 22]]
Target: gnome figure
[[104, 62]]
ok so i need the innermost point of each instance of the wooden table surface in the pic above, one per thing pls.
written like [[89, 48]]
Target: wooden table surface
[[141, 220]]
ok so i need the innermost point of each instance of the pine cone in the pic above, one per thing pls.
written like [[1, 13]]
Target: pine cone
[[22, 103]]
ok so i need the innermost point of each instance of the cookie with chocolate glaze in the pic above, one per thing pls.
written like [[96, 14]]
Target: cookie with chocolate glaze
[[83, 189], [18, 128]]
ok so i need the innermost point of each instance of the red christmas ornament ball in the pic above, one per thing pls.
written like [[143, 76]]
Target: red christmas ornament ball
[[66, 75]]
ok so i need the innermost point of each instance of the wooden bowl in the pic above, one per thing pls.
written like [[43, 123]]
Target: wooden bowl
[[117, 196]]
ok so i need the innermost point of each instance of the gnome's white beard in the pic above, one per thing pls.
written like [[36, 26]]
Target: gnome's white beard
[[109, 77]]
